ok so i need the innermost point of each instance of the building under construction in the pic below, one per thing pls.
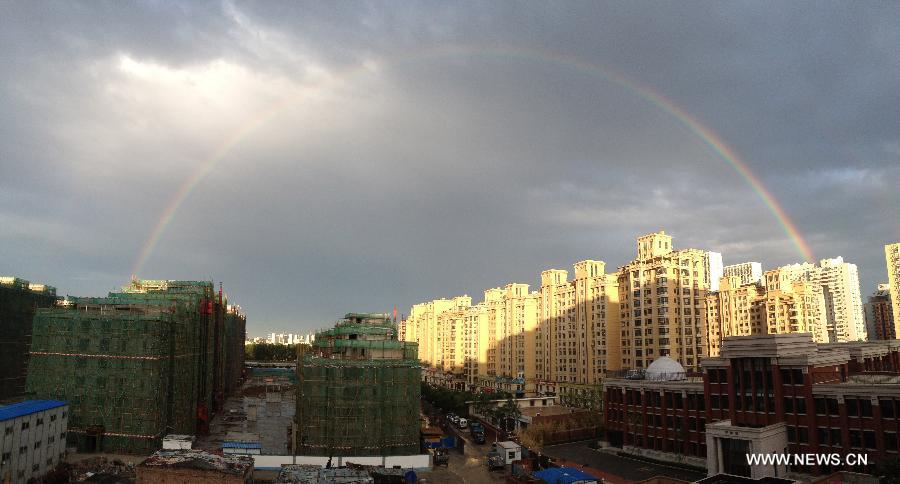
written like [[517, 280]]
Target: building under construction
[[359, 391], [18, 301], [138, 364]]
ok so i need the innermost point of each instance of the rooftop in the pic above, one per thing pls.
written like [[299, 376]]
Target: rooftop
[[28, 407]]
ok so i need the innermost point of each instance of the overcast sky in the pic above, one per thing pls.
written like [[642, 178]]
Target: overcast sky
[[366, 155]]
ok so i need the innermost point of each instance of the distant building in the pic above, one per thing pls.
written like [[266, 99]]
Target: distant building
[[880, 322], [18, 301], [892, 258], [748, 272], [359, 391], [33, 439], [840, 286], [290, 338], [195, 466]]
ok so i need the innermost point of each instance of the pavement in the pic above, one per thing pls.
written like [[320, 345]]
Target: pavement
[[616, 468]]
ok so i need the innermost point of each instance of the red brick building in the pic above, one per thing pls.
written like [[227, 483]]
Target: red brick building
[[766, 394]]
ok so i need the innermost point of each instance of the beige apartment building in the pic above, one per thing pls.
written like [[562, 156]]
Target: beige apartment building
[[662, 300], [784, 304], [736, 309], [578, 335], [843, 315], [892, 258], [797, 308], [561, 339]]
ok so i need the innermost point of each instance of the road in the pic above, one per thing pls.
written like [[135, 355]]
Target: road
[[468, 468]]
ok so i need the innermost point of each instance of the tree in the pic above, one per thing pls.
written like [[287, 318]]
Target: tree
[[509, 411], [482, 404]]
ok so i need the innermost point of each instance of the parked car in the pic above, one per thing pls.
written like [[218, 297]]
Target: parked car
[[462, 423]]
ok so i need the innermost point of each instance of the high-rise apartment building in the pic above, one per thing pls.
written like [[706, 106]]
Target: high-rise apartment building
[[736, 309], [662, 300], [880, 322], [450, 334], [578, 338], [785, 304], [747, 272], [797, 307], [840, 285], [422, 327], [892, 257]]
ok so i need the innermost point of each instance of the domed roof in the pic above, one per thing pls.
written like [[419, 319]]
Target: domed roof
[[664, 368]]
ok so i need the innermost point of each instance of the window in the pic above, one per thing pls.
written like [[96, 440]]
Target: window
[[887, 408], [25, 425], [890, 442], [865, 407], [852, 407], [869, 439], [40, 421], [821, 407], [6, 457], [37, 445], [8, 430], [835, 437]]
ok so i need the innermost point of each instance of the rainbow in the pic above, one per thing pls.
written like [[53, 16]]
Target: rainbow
[[711, 141]]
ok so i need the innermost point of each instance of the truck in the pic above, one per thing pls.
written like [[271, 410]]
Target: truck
[[439, 456], [495, 460], [477, 431]]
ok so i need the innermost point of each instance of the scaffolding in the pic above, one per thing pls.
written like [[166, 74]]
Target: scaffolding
[[359, 392], [18, 302], [135, 365]]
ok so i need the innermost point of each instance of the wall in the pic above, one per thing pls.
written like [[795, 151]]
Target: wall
[[421, 461]]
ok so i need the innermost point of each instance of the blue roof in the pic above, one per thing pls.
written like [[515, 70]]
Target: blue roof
[[28, 407], [563, 475], [228, 444]]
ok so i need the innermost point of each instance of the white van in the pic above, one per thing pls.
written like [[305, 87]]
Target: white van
[[463, 423]]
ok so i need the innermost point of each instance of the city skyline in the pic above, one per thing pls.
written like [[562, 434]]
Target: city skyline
[[387, 155]]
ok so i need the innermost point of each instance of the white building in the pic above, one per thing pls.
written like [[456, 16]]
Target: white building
[[749, 272], [290, 338], [32, 439], [714, 269]]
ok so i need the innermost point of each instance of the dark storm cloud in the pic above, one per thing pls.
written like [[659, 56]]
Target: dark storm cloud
[[387, 154]]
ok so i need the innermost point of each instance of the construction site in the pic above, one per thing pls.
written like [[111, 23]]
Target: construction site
[[19, 299], [155, 358], [359, 391]]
